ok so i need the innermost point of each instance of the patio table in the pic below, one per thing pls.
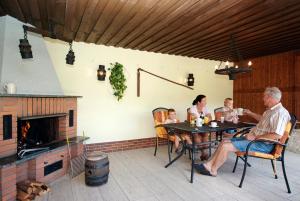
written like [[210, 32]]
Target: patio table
[[185, 127]]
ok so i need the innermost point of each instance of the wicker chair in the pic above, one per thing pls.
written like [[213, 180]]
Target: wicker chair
[[160, 114], [276, 155]]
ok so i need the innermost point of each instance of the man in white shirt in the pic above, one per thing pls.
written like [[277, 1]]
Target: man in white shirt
[[271, 125]]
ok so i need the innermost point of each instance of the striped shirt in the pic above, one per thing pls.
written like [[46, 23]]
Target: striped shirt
[[274, 120]]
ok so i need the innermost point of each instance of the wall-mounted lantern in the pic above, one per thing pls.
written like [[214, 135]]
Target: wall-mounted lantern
[[101, 73], [190, 79]]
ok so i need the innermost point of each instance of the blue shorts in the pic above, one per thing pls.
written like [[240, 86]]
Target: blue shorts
[[231, 131], [241, 144]]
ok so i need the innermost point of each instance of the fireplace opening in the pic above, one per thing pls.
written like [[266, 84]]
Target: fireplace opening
[[34, 133]]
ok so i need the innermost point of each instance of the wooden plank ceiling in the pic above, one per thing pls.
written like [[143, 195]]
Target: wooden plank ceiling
[[193, 28]]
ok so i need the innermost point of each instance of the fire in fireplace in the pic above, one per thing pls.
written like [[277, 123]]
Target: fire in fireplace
[[37, 132]]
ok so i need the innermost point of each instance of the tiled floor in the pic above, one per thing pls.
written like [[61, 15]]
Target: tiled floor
[[138, 175]]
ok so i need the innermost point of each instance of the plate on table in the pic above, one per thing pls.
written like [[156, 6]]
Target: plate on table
[[213, 126]]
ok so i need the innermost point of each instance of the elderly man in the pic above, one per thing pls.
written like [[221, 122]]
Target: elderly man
[[271, 125]]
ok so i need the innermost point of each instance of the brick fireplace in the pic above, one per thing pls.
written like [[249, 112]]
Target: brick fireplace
[[33, 130]]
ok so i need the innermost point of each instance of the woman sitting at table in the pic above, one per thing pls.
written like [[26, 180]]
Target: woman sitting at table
[[199, 109], [173, 119]]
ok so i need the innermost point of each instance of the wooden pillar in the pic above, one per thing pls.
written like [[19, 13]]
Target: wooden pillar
[[297, 84]]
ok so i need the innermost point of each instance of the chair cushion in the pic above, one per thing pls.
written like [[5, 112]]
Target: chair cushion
[[256, 154]]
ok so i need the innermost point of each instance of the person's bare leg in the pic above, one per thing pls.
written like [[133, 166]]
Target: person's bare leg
[[188, 139], [221, 157], [197, 138], [210, 162], [204, 151], [176, 142]]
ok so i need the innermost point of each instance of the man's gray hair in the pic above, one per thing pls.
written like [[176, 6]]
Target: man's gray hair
[[274, 92]]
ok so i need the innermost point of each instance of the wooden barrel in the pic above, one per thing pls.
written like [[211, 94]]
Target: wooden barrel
[[96, 168]]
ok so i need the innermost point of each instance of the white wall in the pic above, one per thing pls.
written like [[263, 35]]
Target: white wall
[[32, 76], [102, 117], [2, 32], [99, 113]]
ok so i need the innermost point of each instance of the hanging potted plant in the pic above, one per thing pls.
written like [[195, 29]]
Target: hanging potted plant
[[117, 80]]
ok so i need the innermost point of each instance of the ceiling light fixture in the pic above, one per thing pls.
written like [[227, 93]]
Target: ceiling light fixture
[[234, 69]]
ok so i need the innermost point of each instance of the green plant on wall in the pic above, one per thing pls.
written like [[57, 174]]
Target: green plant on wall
[[117, 80]]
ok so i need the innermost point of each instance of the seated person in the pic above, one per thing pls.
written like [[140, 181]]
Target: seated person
[[271, 125], [199, 108], [172, 119], [229, 114]]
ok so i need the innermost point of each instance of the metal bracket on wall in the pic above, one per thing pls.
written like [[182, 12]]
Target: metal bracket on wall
[[139, 80]]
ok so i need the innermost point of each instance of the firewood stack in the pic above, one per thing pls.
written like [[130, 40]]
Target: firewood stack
[[29, 190]]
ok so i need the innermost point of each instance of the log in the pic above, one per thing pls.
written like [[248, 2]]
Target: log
[[27, 189], [21, 195], [45, 188], [36, 183], [34, 190], [40, 191]]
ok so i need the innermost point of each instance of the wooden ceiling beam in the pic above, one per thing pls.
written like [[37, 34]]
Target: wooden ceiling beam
[[2, 11], [241, 23], [260, 40], [253, 53], [181, 14], [81, 9], [73, 17], [273, 48], [91, 15], [255, 49], [159, 13], [26, 11], [127, 12], [134, 22], [107, 17], [249, 32], [42, 5], [199, 24], [92, 35], [12, 8], [194, 28]]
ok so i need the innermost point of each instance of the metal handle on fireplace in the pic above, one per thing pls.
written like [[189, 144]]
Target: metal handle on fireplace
[[24, 151]]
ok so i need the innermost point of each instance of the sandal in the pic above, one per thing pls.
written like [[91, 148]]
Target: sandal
[[202, 170]]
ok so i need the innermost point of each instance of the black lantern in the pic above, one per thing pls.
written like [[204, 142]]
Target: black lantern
[[70, 58], [25, 47], [101, 73], [190, 80]]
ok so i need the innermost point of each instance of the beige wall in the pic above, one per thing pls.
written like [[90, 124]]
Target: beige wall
[[102, 117]]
